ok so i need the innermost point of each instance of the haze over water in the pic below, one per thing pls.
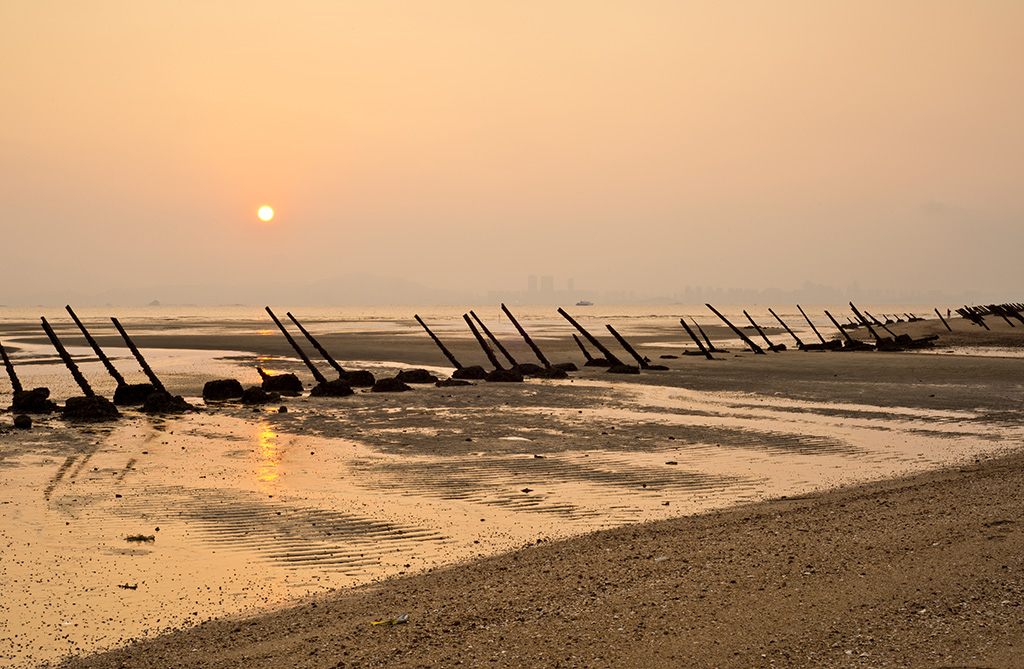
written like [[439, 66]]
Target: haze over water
[[455, 148]]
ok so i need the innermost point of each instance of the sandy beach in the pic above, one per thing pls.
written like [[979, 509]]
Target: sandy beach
[[794, 509]]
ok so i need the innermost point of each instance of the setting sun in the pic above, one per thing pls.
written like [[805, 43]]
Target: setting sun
[[265, 213]]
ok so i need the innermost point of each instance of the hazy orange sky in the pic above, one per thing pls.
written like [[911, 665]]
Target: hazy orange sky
[[464, 145]]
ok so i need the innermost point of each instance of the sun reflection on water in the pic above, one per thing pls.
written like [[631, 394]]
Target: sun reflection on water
[[268, 455]]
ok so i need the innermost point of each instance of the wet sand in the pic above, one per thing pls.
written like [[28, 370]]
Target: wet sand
[[442, 480]]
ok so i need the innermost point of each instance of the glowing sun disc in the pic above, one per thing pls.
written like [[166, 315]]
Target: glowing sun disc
[[265, 213]]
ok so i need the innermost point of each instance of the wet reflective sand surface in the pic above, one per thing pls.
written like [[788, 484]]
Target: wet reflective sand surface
[[239, 509], [254, 509]]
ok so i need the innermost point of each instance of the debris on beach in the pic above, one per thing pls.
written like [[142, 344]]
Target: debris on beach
[[404, 618]]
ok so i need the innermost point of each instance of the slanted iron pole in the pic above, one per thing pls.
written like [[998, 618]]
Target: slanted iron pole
[[693, 336], [629, 349], [799, 344], [867, 323], [483, 343], [608, 355], [943, 320], [138, 356], [711, 347], [771, 346], [746, 340], [504, 351], [444, 349], [841, 330], [15, 382], [68, 362], [882, 325], [319, 349], [529, 341], [806, 318], [583, 348], [320, 378], [96, 348]]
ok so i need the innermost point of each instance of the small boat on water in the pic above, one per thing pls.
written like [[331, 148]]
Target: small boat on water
[[584, 303]]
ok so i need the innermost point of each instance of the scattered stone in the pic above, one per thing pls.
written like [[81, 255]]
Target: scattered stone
[[390, 385], [473, 372], [553, 373], [416, 376], [22, 422], [530, 369], [336, 388], [257, 395], [36, 400], [90, 409], [566, 366], [359, 378], [222, 389], [504, 376], [623, 369], [596, 362], [132, 394], [286, 384]]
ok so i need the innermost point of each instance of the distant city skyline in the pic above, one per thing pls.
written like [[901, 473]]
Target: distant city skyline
[[367, 289]]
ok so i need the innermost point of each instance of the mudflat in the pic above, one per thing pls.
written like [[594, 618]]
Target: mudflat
[[885, 529], [925, 571]]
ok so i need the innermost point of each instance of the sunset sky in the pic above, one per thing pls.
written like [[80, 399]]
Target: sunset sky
[[464, 145]]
